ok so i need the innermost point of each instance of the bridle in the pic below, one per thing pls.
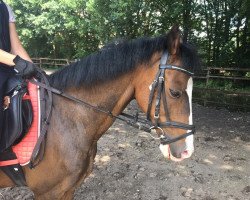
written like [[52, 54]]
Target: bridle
[[158, 87], [141, 124]]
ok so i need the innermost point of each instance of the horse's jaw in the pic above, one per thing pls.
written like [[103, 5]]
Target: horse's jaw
[[165, 149]]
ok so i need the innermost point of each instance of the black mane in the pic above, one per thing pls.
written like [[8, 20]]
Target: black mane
[[115, 59]]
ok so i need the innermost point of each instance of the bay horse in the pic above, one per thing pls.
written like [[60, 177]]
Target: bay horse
[[109, 79]]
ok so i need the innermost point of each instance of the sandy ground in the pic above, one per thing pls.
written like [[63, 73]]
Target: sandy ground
[[129, 164]]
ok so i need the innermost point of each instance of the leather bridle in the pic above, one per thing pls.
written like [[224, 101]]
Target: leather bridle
[[141, 124], [158, 88]]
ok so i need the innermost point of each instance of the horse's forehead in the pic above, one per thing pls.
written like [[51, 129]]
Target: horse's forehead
[[177, 79], [175, 60]]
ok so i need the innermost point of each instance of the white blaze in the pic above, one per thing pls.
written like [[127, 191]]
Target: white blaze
[[190, 139]]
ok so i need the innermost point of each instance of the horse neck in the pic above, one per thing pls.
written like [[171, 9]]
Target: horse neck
[[111, 96]]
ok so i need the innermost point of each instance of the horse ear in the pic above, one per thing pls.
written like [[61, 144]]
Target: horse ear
[[174, 40]]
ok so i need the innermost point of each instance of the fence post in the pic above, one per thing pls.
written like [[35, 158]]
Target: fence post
[[40, 63], [207, 76], [206, 86]]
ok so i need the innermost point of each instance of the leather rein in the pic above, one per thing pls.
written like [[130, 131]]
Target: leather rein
[[134, 121]]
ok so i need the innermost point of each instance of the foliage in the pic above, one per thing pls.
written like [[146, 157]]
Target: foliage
[[72, 28]]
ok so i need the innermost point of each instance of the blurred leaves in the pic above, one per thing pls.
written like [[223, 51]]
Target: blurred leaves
[[73, 28]]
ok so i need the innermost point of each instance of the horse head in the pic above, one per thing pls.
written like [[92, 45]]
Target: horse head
[[164, 92]]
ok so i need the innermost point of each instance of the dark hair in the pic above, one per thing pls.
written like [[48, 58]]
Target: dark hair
[[115, 59]]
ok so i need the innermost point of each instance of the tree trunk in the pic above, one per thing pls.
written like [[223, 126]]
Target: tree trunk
[[209, 34], [216, 47], [245, 34], [186, 19], [227, 22]]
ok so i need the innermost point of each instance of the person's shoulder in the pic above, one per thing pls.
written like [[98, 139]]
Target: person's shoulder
[[7, 5], [11, 13]]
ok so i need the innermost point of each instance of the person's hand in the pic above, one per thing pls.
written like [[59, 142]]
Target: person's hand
[[24, 68], [6, 102]]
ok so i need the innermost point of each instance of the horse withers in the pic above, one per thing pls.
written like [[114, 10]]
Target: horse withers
[[154, 71]]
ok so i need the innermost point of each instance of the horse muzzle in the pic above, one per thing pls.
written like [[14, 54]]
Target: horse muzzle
[[179, 150]]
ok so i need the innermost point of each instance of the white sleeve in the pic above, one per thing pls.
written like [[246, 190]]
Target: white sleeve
[[11, 14]]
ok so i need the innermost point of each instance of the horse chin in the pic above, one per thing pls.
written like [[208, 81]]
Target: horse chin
[[165, 149]]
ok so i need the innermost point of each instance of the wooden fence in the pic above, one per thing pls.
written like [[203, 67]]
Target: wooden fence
[[239, 100], [233, 74], [48, 62], [230, 99], [224, 73]]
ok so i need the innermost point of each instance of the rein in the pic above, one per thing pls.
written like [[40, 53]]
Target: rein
[[134, 121], [130, 118]]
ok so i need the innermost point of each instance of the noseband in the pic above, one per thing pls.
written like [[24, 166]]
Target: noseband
[[158, 87]]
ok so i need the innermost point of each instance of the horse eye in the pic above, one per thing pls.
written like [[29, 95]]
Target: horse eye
[[175, 93]]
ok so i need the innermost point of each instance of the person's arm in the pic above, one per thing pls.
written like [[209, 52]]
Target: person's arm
[[18, 57], [16, 45], [16, 48], [7, 58]]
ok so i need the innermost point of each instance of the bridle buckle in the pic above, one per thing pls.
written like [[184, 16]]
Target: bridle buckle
[[162, 78], [156, 116]]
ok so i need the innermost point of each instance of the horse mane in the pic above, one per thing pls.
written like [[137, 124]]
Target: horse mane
[[114, 59]]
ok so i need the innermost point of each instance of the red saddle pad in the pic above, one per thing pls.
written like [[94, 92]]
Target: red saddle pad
[[25, 148]]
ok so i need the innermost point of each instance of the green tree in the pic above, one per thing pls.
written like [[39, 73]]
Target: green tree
[[72, 28]]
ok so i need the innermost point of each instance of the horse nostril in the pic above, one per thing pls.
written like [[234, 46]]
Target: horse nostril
[[177, 150], [176, 154], [185, 154]]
